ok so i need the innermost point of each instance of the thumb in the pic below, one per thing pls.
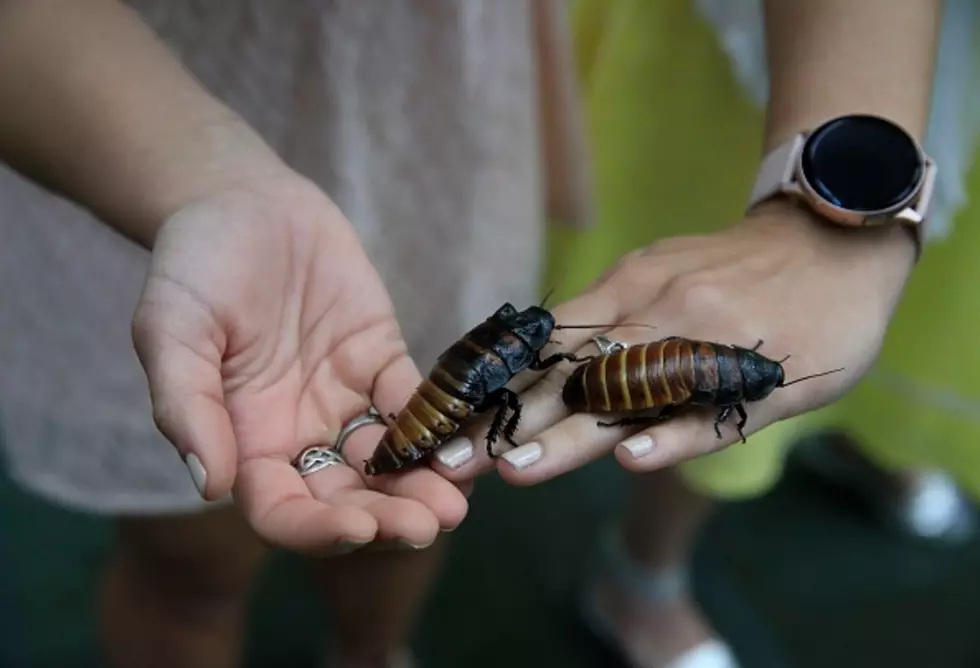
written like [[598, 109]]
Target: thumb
[[180, 348]]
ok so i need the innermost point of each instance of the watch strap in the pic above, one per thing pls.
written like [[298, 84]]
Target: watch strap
[[776, 170]]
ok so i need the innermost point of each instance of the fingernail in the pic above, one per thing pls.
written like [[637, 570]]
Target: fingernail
[[638, 446], [198, 474], [342, 547], [456, 452], [405, 545], [523, 456]]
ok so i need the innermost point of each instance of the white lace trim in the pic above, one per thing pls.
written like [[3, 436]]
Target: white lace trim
[[954, 125]]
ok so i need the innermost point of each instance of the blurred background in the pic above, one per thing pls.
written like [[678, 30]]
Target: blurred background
[[796, 579]]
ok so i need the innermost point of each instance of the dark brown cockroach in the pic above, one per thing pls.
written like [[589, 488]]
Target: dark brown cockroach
[[469, 379], [673, 373]]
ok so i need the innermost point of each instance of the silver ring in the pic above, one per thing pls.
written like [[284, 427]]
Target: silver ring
[[607, 345], [372, 416], [316, 458]]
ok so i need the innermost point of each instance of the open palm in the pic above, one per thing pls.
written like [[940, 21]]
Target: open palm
[[262, 329]]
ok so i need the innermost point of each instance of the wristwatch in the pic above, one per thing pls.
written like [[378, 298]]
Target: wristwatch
[[856, 170]]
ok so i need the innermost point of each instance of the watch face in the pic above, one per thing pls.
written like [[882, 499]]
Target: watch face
[[862, 163]]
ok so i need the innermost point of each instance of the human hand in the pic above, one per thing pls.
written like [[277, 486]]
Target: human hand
[[823, 296], [263, 329]]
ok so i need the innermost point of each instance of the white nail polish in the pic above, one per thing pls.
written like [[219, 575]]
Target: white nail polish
[[638, 446], [523, 456], [198, 474], [456, 452]]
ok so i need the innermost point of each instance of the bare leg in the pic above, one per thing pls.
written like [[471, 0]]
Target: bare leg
[[176, 591], [658, 530], [375, 598], [662, 519]]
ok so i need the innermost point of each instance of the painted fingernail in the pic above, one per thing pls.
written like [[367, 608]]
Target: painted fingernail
[[523, 456], [198, 474], [638, 446], [405, 545], [456, 452], [342, 547]]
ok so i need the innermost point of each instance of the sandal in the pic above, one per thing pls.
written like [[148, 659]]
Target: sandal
[[625, 576], [401, 658], [934, 509]]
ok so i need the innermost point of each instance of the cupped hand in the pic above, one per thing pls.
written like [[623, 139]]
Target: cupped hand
[[821, 296], [262, 329]]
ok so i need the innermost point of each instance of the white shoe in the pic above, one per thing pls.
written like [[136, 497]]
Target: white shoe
[[934, 509], [402, 658], [625, 576]]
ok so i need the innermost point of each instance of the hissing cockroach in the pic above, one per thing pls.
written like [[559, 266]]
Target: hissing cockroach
[[469, 379], [673, 373]]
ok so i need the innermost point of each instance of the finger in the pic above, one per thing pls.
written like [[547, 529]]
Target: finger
[[685, 437], [392, 389], [466, 456], [694, 433], [405, 519], [181, 357], [283, 512], [442, 499], [541, 407], [563, 447], [555, 440], [399, 519]]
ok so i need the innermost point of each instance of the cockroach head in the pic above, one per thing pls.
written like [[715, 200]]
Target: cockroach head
[[760, 375], [534, 325]]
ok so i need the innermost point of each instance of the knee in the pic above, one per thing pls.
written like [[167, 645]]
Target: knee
[[207, 560]]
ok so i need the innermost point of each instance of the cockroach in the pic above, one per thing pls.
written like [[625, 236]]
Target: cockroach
[[469, 379], [672, 373]]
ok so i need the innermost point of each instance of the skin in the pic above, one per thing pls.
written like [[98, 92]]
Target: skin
[[170, 167], [779, 274], [245, 367], [821, 294]]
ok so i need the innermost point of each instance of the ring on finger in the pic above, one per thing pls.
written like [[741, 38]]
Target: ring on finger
[[607, 345], [318, 457], [371, 416]]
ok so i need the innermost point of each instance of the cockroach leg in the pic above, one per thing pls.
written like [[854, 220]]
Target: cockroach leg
[[725, 413], [503, 399], [645, 420], [743, 418], [542, 364]]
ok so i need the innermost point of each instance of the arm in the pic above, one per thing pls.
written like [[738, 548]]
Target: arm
[[834, 57], [105, 115]]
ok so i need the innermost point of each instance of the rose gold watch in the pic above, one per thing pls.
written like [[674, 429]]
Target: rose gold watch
[[855, 170]]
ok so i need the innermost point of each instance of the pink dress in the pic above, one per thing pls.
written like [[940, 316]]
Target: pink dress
[[419, 118]]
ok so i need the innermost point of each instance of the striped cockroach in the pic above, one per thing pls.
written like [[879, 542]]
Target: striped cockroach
[[468, 379], [673, 373]]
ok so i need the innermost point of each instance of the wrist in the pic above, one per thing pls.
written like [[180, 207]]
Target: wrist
[[215, 155], [883, 255]]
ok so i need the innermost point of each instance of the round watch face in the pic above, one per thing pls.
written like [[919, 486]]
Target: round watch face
[[862, 163]]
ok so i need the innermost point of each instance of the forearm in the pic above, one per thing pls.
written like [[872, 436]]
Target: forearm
[[832, 57], [829, 58], [98, 109]]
